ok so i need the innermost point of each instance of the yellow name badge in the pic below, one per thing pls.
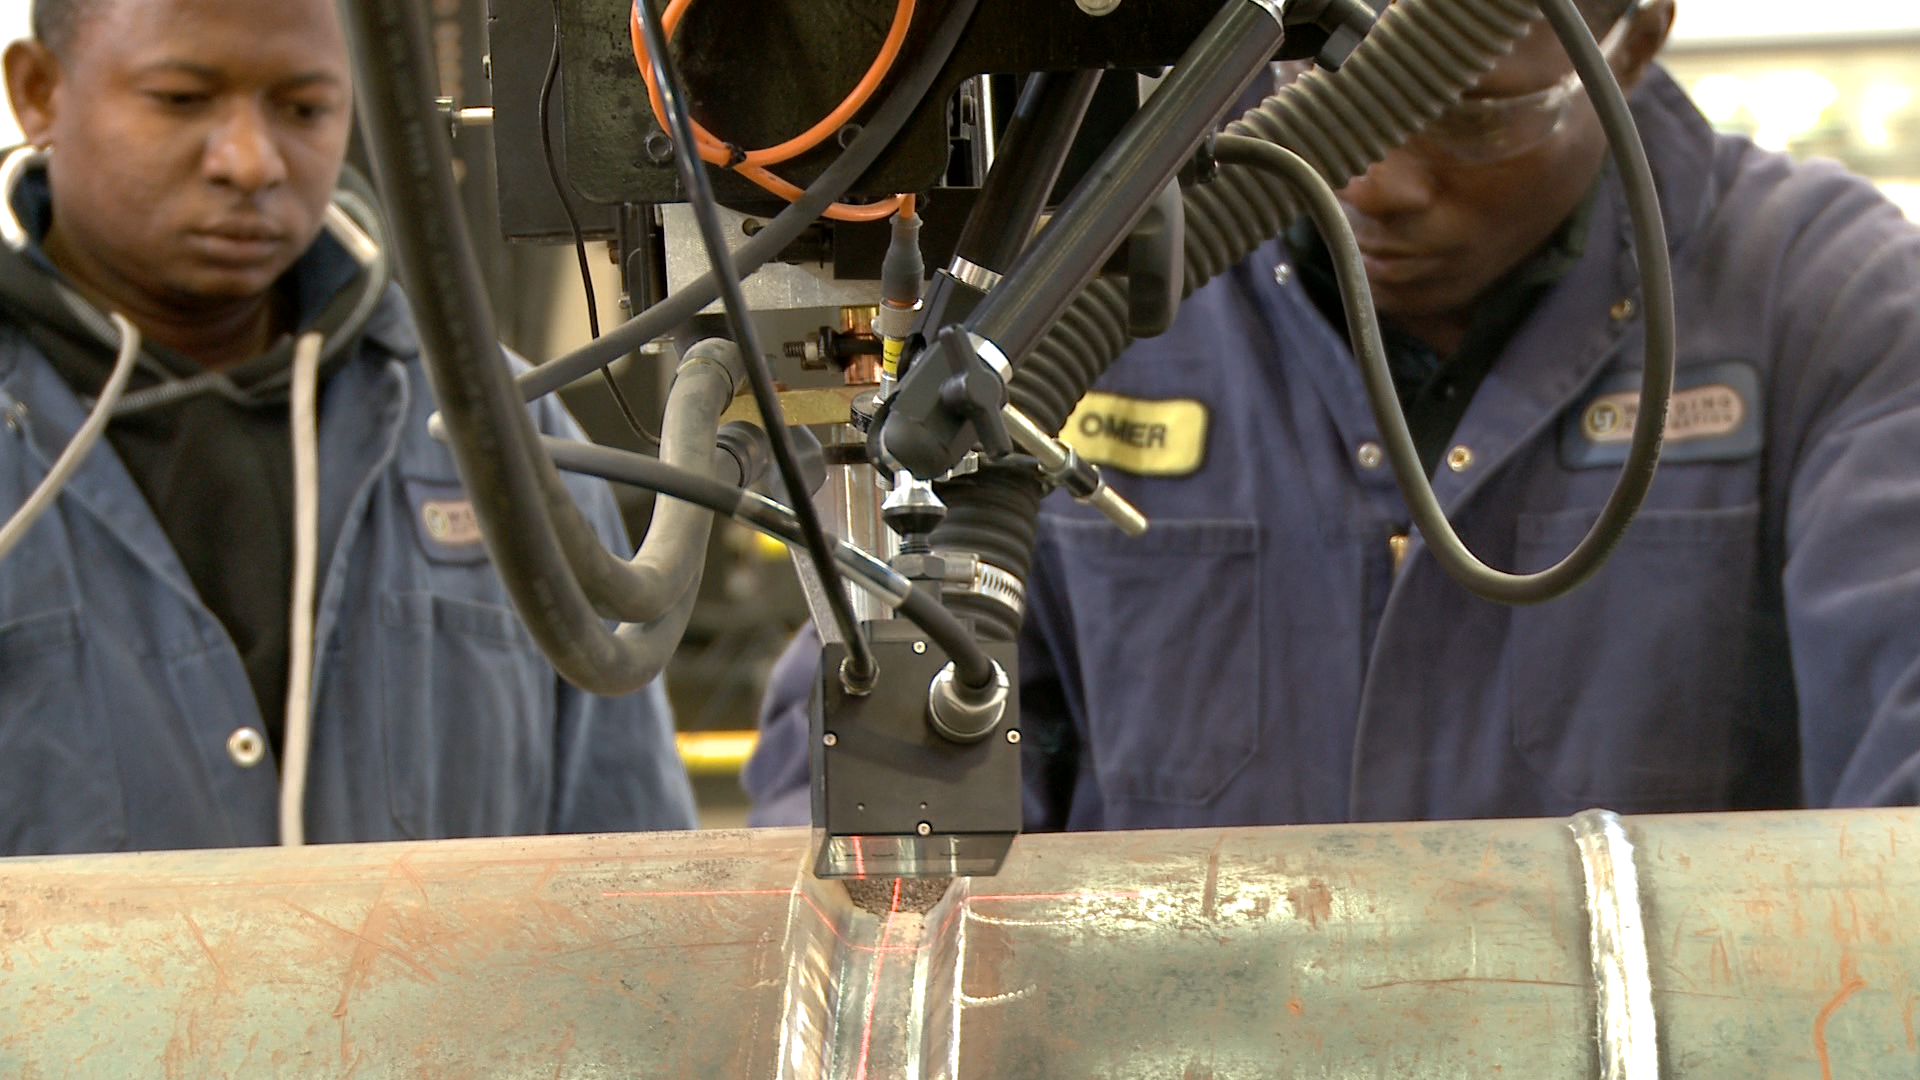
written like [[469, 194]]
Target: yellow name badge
[[1148, 438]]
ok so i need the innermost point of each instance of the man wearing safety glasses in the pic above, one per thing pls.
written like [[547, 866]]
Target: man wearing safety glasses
[[1282, 647], [1465, 227]]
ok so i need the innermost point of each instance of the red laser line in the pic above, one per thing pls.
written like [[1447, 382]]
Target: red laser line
[[1060, 896], [702, 892], [873, 987], [842, 938], [827, 921]]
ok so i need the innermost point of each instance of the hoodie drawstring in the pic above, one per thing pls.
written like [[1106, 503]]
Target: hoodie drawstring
[[305, 409]]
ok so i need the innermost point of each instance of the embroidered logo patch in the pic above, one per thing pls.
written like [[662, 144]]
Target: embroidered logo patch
[[1147, 438], [1714, 415], [1704, 412], [450, 521]]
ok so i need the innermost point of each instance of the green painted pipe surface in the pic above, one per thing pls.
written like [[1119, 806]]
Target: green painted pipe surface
[[1781, 945]]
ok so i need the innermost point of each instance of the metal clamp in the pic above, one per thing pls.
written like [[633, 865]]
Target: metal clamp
[[972, 274], [1059, 461], [1623, 979], [967, 574], [994, 357]]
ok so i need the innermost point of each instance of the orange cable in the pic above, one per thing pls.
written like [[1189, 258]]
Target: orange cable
[[751, 164]]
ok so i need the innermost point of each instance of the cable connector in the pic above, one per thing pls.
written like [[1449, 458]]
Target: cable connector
[[967, 714]]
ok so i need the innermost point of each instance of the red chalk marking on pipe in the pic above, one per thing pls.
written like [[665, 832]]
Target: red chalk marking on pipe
[[1466, 980], [1211, 891], [1847, 989]]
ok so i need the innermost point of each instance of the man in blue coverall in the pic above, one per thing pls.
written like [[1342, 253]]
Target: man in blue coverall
[[193, 149], [1280, 648]]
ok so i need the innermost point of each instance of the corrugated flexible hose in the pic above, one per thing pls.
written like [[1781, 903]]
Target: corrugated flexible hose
[[1419, 58]]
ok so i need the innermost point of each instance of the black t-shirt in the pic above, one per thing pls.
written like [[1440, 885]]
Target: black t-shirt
[[219, 477], [1435, 390]]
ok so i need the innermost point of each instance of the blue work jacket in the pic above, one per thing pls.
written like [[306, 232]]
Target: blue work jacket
[[1279, 647], [434, 713]]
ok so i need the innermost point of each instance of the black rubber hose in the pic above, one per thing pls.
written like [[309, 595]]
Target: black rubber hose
[[1033, 149], [1214, 71], [492, 437], [1415, 61], [999, 524], [1363, 327], [1418, 58], [913, 603], [683, 304], [995, 512]]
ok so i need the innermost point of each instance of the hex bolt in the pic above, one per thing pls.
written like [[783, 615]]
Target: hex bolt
[[924, 829], [920, 648], [830, 739], [1013, 736]]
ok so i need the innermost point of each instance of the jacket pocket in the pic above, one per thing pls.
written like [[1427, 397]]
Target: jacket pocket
[[469, 719], [1626, 691], [59, 780], [1167, 626]]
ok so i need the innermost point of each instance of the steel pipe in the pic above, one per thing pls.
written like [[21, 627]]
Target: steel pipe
[[1773, 944]]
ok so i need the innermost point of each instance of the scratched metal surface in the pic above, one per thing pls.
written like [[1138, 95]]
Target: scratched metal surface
[[1784, 945]]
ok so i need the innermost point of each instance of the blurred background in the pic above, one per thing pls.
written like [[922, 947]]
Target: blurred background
[[1846, 87]]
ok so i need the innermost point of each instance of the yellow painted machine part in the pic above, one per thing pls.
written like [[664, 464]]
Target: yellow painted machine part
[[715, 753]]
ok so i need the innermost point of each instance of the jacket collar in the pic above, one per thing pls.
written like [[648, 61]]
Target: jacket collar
[[1576, 331], [364, 411], [1681, 148]]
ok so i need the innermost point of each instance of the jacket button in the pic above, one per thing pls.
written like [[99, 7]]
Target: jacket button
[[1460, 459], [247, 747], [1369, 455]]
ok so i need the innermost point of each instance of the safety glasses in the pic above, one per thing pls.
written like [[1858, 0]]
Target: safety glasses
[[1489, 130]]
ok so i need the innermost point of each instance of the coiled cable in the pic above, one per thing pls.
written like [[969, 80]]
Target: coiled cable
[[886, 122], [1363, 326], [1418, 58]]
